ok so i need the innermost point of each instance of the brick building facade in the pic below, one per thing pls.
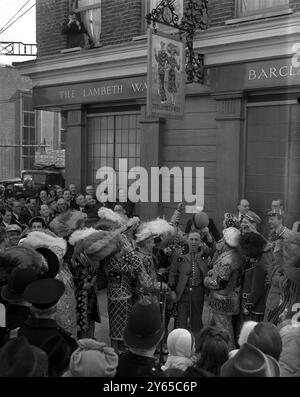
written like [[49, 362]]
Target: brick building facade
[[13, 86], [241, 125]]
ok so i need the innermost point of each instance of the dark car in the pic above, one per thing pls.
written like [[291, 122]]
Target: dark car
[[13, 184], [42, 178]]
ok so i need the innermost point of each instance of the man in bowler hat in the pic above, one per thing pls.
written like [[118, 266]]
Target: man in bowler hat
[[143, 332]]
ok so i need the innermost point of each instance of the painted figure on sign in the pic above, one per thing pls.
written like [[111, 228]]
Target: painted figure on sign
[[173, 51], [163, 60]]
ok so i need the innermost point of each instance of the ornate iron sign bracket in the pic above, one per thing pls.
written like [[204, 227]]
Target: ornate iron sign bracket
[[194, 18], [17, 48]]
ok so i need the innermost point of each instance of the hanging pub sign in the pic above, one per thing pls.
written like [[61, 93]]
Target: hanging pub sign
[[165, 76]]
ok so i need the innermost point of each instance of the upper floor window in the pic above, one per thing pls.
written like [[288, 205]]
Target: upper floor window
[[251, 7]]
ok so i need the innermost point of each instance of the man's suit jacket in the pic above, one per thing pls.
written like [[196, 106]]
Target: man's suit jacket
[[181, 271], [16, 221]]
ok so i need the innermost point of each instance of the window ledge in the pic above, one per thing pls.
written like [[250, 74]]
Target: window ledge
[[140, 38], [259, 16]]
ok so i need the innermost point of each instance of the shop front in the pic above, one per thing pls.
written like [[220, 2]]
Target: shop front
[[258, 129]]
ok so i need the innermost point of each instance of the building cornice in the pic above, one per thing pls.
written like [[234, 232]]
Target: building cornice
[[248, 41]]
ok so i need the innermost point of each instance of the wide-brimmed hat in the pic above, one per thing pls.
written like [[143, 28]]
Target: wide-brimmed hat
[[144, 328], [132, 225], [51, 247], [266, 337], [250, 362], [44, 294], [98, 245], [20, 359], [65, 224], [18, 280], [109, 219], [144, 235], [52, 262], [23, 256]]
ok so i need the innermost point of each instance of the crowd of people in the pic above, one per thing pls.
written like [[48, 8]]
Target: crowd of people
[[190, 302]]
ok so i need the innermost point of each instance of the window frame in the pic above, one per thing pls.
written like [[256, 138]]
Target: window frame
[[259, 11]]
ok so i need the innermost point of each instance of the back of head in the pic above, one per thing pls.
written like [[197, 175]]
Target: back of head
[[93, 359], [212, 344], [266, 337], [180, 343], [253, 244], [144, 328], [20, 359]]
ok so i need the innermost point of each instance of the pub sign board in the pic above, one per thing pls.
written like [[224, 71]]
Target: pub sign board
[[165, 76]]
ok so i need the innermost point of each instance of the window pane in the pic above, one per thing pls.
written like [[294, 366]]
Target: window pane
[[252, 6], [32, 119], [132, 150]]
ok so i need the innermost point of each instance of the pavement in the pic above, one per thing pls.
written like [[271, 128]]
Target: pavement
[[102, 329]]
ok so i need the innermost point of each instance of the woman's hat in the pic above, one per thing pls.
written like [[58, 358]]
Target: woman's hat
[[65, 224], [18, 280], [250, 362], [266, 337], [144, 328], [20, 359], [232, 237], [52, 262], [109, 219], [93, 359]]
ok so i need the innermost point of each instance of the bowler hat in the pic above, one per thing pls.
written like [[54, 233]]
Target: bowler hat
[[250, 362], [18, 280], [266, 337], [52, 262], [43, 294], [144, 328], [20, 359]]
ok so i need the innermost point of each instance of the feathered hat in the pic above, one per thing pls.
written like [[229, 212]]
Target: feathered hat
[[53, 249], [144, 233], [81, 235], [65, 224], [232, 237], [230, 220], [161, 228], [109, 219], [99, 245], [22, 257], [131, 225]]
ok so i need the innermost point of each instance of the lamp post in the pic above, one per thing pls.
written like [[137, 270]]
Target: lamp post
[[194, 18]]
